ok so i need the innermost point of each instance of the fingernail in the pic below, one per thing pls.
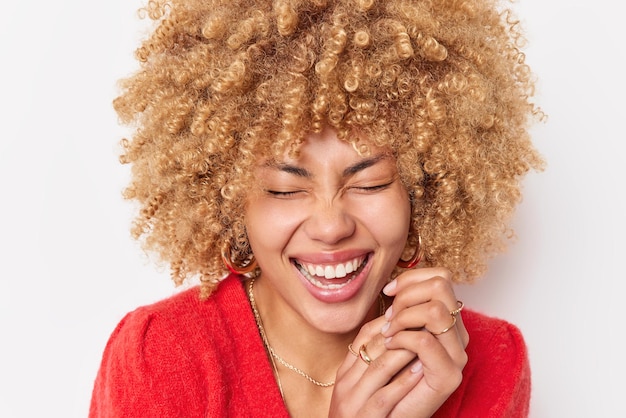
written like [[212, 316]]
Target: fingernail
[[384, 328], [388, 312], [417, 367], [390, 287]]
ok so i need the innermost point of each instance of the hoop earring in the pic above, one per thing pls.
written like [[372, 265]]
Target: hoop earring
[[228, 262], [417, 256]]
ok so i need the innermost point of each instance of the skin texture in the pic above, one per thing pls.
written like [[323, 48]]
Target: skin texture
[[328, 206]]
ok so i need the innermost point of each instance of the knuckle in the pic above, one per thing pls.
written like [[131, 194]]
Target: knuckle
[[444, 273], [378, 364], [440, 283], [424, 340], [377, 342], [438, 310], [450, 383], [379, 401], [402, 320], [399, 300]]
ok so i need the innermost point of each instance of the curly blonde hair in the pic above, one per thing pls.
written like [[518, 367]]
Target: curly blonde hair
[[222, 83]]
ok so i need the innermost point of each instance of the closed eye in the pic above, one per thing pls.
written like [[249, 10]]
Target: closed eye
[[375, 188], [281, 193]]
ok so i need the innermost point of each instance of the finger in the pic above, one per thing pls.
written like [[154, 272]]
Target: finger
[[385, 399], [364, 378], [380, 372], [416, 341], [368, 332], [411, 277], [363, 353], [372, 398], [414, 290], [442, 372], [375, 356], [431, 317], [418, 288], [441, 375]]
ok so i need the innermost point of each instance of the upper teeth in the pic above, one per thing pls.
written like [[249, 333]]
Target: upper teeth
[[333, 271]]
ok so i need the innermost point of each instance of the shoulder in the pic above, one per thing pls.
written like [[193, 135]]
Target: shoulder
[[496, 348], [496, 378], [492, 334], [185, 311], [168, 354], [162, 336]]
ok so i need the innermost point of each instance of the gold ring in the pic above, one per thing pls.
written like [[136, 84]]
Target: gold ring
[[363, 354], [352, 350], [458, 310], [447, 329]]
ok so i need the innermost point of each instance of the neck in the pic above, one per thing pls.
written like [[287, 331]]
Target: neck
[[296, 341], [298, 346], [305, 358]]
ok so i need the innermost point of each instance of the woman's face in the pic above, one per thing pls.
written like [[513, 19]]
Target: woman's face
[[327, 229]]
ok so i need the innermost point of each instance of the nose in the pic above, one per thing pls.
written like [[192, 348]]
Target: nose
[[330, 223]]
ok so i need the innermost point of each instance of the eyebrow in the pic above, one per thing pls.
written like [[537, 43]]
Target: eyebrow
[[292, 169], [349, 171], [362, 165]]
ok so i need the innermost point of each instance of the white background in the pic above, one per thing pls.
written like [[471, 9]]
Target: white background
[[69, 269]]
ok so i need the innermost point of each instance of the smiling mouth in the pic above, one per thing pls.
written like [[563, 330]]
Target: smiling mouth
[[332, 276]]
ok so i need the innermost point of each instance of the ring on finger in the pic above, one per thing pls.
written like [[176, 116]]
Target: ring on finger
[[459, 308], [364, 356], [350, 349], [447, 329]]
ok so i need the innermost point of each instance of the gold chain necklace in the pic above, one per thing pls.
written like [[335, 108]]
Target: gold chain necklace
[[270, 350]]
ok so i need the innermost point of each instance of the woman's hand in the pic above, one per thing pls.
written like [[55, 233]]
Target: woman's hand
[[417, 352]]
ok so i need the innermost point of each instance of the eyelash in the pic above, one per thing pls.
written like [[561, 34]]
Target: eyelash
[[365, 189], [281, 194], [375, 188]]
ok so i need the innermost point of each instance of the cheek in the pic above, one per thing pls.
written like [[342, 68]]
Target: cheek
[[270, 224], [389, 220]]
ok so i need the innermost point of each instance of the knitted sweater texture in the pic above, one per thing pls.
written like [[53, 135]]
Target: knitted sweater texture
[[183, 357]]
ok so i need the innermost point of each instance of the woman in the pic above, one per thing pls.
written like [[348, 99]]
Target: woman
[[328, 170]]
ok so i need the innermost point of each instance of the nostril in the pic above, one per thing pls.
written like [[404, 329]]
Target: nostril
[[330, 226]]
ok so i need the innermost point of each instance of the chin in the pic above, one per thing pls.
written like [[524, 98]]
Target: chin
[[339, 321]]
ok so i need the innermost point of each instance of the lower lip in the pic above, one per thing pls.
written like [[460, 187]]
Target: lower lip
[[341, 294]]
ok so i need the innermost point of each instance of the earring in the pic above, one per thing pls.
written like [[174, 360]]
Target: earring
[[226, 258], [417, 256]]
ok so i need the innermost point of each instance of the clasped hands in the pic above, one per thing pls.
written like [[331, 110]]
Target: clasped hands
[[407, 362]]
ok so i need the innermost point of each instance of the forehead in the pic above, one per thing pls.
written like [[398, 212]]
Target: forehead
[[326, 145]]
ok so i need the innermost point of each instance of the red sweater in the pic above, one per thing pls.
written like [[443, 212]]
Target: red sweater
[[186, 358]]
